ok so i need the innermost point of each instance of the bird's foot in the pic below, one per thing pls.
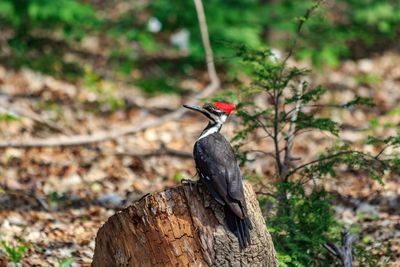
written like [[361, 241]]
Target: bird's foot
[[189, 182]]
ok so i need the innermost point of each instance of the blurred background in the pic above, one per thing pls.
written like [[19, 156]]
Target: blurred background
[[71, 67]]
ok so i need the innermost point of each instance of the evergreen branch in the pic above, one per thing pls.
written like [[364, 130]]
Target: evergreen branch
[[318, 161], [341, 153], [303, 19]]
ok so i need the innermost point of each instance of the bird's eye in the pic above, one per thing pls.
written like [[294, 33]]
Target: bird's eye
[[209, 108]]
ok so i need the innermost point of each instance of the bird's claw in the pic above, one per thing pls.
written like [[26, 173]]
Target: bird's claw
[[188, 182]]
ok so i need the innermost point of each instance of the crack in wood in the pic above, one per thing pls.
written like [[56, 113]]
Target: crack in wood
[[180, 227]]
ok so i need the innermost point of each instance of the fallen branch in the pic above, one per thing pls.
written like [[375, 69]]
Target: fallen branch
[[6, 106], [31, 195], [162, 151], [102, 136]]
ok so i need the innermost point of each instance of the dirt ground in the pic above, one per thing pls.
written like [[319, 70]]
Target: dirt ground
[[53, 200]]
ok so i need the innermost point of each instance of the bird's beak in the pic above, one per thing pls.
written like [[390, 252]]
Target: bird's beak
[[195, 108], [198, 109]]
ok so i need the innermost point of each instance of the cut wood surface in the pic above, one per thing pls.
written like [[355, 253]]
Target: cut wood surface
[[181, 226]]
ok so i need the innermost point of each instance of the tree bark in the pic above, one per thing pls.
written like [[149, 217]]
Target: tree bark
[[181, 226]]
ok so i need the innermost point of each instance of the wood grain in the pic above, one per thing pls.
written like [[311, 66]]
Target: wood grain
[[181, 226]]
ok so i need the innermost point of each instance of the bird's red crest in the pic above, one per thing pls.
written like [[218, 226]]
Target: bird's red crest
[[225, 107]]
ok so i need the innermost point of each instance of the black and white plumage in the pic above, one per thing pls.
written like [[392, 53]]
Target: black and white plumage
[[218, 170]]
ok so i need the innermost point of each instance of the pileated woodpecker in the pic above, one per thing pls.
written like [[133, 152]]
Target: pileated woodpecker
[[218, 170]]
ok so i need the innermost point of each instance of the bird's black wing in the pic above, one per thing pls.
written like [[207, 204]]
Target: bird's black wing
[[218, 169]]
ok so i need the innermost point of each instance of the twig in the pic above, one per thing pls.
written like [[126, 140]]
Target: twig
[[264, 127], [30, 194], [20, 111], [163, 150], [102, 136], [344, 252], [381, 152], [299, 29], [77, 140]]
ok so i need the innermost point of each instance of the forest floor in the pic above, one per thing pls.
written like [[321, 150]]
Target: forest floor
[[54, 199]]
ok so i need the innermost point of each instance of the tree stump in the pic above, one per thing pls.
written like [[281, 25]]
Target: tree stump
[[181, 226]]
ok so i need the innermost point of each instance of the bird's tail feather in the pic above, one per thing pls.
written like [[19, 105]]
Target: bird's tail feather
[[239, 227]]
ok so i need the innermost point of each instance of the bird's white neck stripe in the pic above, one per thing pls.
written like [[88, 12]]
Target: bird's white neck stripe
[[213, 129]]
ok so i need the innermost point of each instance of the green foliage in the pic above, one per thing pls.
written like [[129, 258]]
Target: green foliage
[[304, 122], [289, 95], [105, 92], [234, 21], [371, 165], [156, 85], [40, 31], [345, 28], [390, 141], [71, 16], [65, 262], [54, 199], [178, 177], [8, 116], [367, 79], [300, 222], [299, 234], [363, 101], [14, 253], [275, 79], [311, 95], [394, 111]]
